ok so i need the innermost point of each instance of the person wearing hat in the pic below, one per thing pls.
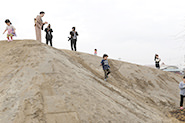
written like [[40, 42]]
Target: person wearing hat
[[39, 25], [105, 65], [182, 92], [74, 35]]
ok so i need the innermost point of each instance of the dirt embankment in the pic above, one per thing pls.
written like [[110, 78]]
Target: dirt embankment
[[42, 84]]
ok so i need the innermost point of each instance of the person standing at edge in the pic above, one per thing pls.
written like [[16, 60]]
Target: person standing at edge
[[39, 25], [74, 35], [49, 35], [157, 61], [11, 30], [95, 52]]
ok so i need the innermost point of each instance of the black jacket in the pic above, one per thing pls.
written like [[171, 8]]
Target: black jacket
[[72, 34], [49, 35]]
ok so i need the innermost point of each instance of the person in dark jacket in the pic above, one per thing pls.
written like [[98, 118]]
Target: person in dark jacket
[[157, 61], [49, 35], [74, 35], [105, 65]]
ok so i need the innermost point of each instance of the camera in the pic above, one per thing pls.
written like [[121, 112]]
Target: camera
[[69, 38]]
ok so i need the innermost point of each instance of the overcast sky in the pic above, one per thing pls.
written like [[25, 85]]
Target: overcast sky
[[133, 30]]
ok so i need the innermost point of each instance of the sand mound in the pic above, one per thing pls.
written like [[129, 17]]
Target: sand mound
[[41, 84]]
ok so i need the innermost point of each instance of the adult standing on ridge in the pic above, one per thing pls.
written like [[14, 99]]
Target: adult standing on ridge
[[39, 25], [74, 35], [157, 61], [49, 35]]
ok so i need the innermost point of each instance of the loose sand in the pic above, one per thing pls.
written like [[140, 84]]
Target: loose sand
[[41, 84]]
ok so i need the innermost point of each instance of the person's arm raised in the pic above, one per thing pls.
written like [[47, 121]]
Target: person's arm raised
[[45, 22]]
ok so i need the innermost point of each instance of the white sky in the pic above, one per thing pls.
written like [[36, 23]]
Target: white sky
[[133, 30]]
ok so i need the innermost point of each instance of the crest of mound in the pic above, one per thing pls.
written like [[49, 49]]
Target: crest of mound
[[42, 84]]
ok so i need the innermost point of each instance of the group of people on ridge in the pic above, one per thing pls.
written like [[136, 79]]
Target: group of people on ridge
[[39, 25]]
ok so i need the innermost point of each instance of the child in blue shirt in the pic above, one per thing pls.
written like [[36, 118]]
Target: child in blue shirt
[[105, 65], [182, 92]]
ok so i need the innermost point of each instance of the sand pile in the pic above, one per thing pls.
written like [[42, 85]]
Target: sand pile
[[41, 84]]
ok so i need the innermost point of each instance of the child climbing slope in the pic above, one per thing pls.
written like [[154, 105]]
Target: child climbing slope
[[11, 30], [105, 65], [182, 92]]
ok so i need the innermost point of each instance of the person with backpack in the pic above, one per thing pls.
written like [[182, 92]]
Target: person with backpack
[[49, 35], [105, 65], [73, 38]]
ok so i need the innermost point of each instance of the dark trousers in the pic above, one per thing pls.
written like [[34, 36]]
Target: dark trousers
[[73, 44], [47, 40], [157, 65], [182, 99], [107, 72]]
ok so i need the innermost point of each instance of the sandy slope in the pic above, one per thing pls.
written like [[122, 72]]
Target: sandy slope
[[41, 84]]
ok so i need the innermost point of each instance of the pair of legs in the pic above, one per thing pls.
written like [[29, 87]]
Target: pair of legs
[[38, 33], [73, 44], [181, 100], [10, 37], [49, 41], [107, 72], [157, 66]]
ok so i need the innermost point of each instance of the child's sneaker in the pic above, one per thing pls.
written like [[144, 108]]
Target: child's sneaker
[[11, 39], [181, 108], [8, 40]]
